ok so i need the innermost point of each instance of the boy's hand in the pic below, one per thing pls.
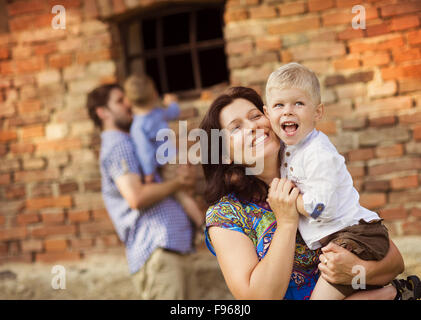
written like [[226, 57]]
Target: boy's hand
[[169, 98]]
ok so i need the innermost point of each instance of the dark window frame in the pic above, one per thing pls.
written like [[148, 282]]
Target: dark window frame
[[160, 52]]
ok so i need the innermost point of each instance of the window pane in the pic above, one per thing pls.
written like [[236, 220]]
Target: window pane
[[213, 66], [149, 34], [153, 71], [209, 24], [179, 72], [176, 29]]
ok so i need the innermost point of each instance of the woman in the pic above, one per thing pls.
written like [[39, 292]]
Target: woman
[[266, 258]]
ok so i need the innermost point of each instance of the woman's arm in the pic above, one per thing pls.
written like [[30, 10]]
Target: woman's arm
[[246, 277], [340, 263]]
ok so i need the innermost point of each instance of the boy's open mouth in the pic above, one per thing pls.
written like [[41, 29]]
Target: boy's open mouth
[[289, 127]]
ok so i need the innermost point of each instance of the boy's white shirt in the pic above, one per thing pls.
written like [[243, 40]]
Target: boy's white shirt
[[320, 173]]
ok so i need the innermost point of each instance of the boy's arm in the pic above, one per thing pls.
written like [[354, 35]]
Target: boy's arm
[[172, 112], [300, 206], [322, 171], [145, 151]]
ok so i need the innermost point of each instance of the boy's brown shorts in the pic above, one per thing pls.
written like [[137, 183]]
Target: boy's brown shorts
[[367, 240]]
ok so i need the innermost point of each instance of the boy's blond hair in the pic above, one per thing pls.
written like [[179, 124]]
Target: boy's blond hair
[[140, 90], [294, 75]]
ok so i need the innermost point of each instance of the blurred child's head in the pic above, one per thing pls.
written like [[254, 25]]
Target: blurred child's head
[[293, 102], [140, 90]]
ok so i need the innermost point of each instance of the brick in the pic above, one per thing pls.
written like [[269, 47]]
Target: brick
[[384, 105], [31, 105], [31, 245], [409, 85], [294, 26], [57, 256], [7, 165], [6, 136], [32, 132], [233, 15], [81, 243], [346, 3], [5, 178], [375, 59], [27, 218], [45, 231], [100, 214], [404, 182], [411, 118], [373, 200], [319, 5], [407, 55], [341, 64], [377, 29], [51, 218], [405, 197], [21, 148], [37, 175], [390, 151], [55, 245], [377, 186], [357, 46], [356, 171], [33, 164], [415, 212], [94, 185], [59, 145], [16, 233], [97, 227], [382, 121], [292, 8], [60, 61], [363, 76], [393, 213], [41, 190], [348, 91], [382, 89], [350, 33], [411, 228], [68, 187], [404, 23], [395, 166], [21, 7], [414, 37], [78, 216], [361, 154], [400, 8], [15, 192], [346, 17], [45, 49], [268, 43], [32, 64], [354, 123], [53, 202], [263, 12], [417, 133], [317, 51]]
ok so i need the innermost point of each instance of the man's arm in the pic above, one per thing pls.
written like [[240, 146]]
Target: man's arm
[[140, 195]]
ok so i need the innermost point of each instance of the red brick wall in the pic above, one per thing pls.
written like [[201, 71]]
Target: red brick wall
[[50, 200]]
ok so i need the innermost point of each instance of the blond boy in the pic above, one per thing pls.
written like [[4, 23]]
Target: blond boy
[[328, 203]]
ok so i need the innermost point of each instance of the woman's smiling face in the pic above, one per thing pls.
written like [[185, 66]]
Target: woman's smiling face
[[249, 132]]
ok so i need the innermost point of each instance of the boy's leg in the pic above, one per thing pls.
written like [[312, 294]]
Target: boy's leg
[[191, 208], [325, 291]]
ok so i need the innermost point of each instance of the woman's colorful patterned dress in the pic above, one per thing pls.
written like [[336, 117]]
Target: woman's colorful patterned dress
[[257, 221]]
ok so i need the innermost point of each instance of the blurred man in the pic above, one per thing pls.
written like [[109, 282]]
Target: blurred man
[[151, 224]]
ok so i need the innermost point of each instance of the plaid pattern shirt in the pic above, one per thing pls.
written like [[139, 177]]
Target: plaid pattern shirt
[[164, 224]]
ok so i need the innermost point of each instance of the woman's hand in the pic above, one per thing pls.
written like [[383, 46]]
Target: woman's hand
[[282, 197]]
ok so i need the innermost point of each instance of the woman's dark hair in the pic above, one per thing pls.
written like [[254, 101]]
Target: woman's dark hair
[[99, 98], [222, 179]]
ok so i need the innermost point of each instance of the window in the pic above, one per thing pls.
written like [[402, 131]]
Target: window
[[181, 48]]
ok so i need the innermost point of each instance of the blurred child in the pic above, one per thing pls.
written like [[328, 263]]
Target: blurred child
[[149, 118]]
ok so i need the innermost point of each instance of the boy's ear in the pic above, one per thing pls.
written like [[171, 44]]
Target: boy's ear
[[320, 109]]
